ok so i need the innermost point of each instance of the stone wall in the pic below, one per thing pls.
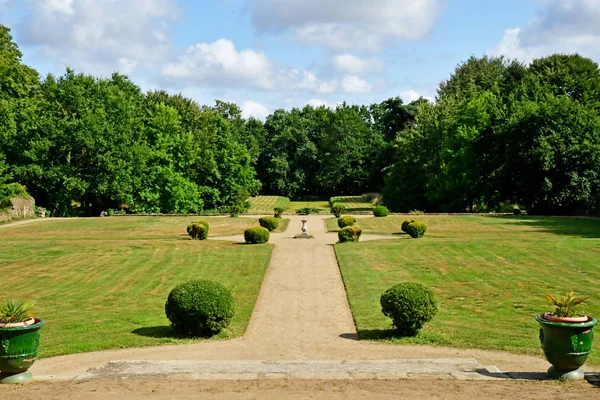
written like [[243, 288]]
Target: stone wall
[[21, 208]]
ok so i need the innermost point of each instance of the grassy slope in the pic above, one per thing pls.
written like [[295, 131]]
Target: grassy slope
[[266, 204], [353, 203], [102, 283], [489, 274]]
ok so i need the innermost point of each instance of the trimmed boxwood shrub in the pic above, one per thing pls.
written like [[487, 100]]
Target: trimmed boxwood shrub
[[381, 211], [337, 210], [256, 235], [410, 306], [199, 308], [349, 234], [416, 229], [198, 230], [271, 223], [278, 212], [345, 221], [405, 224]]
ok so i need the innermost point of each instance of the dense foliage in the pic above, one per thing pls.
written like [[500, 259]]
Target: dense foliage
[[416, 229], [256, 235], [345, 221], [198, 230], [271, 223], [410, 306], [500, 134], [381, 211], [200, 308], [349, 234]]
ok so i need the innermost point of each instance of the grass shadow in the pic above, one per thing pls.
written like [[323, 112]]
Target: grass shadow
[[165, 331], [572, 226], [378, 334]]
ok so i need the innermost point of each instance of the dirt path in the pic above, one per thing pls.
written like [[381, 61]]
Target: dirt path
[[302, 313]]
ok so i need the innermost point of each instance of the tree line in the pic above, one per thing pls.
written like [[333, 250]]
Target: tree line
[[499, 133]]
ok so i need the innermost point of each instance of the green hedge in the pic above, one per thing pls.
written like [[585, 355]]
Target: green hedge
[[416, 229], [256, 235], [345, 221], [349, 234], [381, 211], [271, 223]]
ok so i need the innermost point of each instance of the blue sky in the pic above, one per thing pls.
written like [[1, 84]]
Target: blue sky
[[269, 54]]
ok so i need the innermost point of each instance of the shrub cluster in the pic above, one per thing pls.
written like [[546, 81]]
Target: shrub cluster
[[345, 221], [307, 211], [410, 306], [416, 229], [256, 235], [381, 211], [198, 230], [337, 209], [199, 307], [278, 212], [271, 223], [406, 223], [349, 234]]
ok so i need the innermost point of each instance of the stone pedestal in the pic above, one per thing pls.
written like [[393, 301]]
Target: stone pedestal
[[304, 234]]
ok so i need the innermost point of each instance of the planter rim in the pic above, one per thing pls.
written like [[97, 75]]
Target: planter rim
[[590, 323], [35, 326]]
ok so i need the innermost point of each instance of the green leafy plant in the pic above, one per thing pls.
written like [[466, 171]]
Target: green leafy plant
[[349, 234], [307, 211], [271, 223], [409, 305], [416, 229], [200, 308], [278, 212], [406, 223], [14, 311], [338, 209], [381, 211], [198, 230], [345, 221], [565, 306], [256, 235]]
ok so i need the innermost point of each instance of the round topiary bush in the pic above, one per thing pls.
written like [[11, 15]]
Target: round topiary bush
[[256, 235], [337, 210], [198, 230], [346, 221], [199, 308], [349, 234], [271, 223], [381, 211], [278, 212], [410, 306], [405, 224], [416, 229]]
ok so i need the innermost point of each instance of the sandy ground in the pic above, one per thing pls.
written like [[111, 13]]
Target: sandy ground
[[302, 313]]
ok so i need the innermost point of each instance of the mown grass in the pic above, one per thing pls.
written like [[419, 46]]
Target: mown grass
[[353, 203], [101, 283], [490, 275], [322, 206], [267, 204]]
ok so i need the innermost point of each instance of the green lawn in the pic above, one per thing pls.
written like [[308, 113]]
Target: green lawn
[[353, 203], [321, 206], [266, 204], [489, 274], [101, 283]]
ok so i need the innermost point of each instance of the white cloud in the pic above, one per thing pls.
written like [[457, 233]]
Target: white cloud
[[318, 103], [355, 85], [560, 26], [254, 109], [353, 24], [409, 95], [220, 62], [100, 36], [351, 64]]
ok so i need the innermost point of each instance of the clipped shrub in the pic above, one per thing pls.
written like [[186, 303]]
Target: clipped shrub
[[381, 211], [405, 224], [307, 211], [416, 229], [201, 222], [410, 306], [256, 235], [337, 209], [271, 223], [199, 308], [349, 234], [198, 230], [278, 211], [345, 221]]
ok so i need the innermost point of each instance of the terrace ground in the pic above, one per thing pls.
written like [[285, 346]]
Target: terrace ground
[[302, 287]]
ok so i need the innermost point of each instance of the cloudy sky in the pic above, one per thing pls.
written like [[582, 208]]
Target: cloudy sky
[[269, 54]]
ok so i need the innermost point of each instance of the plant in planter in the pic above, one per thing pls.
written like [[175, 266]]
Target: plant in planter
[[19, 341], [566, 336]]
